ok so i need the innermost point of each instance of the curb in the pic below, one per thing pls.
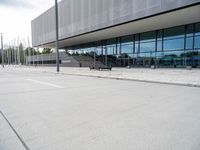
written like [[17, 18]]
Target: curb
[[126, 79]]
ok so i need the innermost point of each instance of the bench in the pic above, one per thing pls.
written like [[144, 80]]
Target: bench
[[100, 68]]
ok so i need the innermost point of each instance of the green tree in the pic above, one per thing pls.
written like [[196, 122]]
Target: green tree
[[21, 51], [47, 51], [31, 51]]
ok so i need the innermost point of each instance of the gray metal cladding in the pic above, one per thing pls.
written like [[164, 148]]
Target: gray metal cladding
[[81, 16]]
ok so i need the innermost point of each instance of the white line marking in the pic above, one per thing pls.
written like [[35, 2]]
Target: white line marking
[[45, 83]]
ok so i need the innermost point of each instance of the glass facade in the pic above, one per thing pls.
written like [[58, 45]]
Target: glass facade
[[174, 47]]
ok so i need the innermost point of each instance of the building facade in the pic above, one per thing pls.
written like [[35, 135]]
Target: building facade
[[121, 33]]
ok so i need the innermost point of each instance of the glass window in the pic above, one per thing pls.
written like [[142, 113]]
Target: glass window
[[127, 40], [189, 43], [197, 42], [173, 59], [189, 30], [104, 47], [192, 58], [197, 36], [128, 49], [127, 45], [111, 41], [197, 29], [159, 35], [111, 50], [111, 46], [174, 38], [97, 48], [147, 42], [147, 47], [159, 40], [148, 37], [175, 32], [137, 48], [189, 36], [172, 47], [118, 46], [159, 45]]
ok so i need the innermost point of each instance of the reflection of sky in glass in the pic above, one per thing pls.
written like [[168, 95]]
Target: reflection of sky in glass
[[147, 47], [189, 43], [197, 42], [111, 50], [197, 29], [173, 53], [174, 44], [127, 49], [159, 45]]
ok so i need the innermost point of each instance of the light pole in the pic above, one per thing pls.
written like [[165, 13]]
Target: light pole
[[94, 57], [29, 54], [25, 63], [106, 56], [15, 52], [19, 58], [57, 37], [2, 52], [9, 54]]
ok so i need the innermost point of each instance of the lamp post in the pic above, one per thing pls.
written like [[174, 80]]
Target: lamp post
[[29, 54], [57, 37], [95, 57], [15, 52], [18, 49], [2, 52]]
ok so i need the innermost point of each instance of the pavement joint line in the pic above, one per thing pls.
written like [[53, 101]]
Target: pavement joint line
[[45, 83], [125, 79], [13, 129]]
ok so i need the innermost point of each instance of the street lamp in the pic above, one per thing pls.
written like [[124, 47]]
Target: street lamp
[[2, 52], [57, 37], [29, 53], [18, 49]]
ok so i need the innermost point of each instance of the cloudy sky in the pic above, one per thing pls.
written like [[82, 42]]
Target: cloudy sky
[[16, 16]]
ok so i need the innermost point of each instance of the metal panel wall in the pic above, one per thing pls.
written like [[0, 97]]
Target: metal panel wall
[[82, 16]]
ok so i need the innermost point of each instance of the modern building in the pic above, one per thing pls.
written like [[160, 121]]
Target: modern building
[[121, 33], [50, 60]]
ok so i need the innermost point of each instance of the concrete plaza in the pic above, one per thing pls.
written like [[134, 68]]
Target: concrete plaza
[[41, 110], [166, 76]]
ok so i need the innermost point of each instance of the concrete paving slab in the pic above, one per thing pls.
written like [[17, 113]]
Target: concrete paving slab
[[165, 76], [8, 139], [101, 114]]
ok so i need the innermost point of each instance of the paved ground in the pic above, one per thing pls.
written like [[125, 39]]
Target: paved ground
[[169, 76], [62, 112]]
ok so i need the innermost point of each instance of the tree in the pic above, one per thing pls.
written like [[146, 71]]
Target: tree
[[31, 51], [0, 57], [47, 51], [21, 53]]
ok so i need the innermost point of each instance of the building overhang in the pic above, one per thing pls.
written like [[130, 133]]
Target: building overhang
[[173, 18]]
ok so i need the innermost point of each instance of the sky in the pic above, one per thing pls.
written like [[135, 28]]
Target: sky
[[16, 17]]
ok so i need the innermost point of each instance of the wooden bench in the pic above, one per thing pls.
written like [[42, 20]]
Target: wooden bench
[[105, 68], [100, 68]]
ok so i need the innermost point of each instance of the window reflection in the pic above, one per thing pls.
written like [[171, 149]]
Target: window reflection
[[127, 45], [189, 37], [174, 38], [159, 41], [197, 36], [172, 47], [111, 46], [147, 42]]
